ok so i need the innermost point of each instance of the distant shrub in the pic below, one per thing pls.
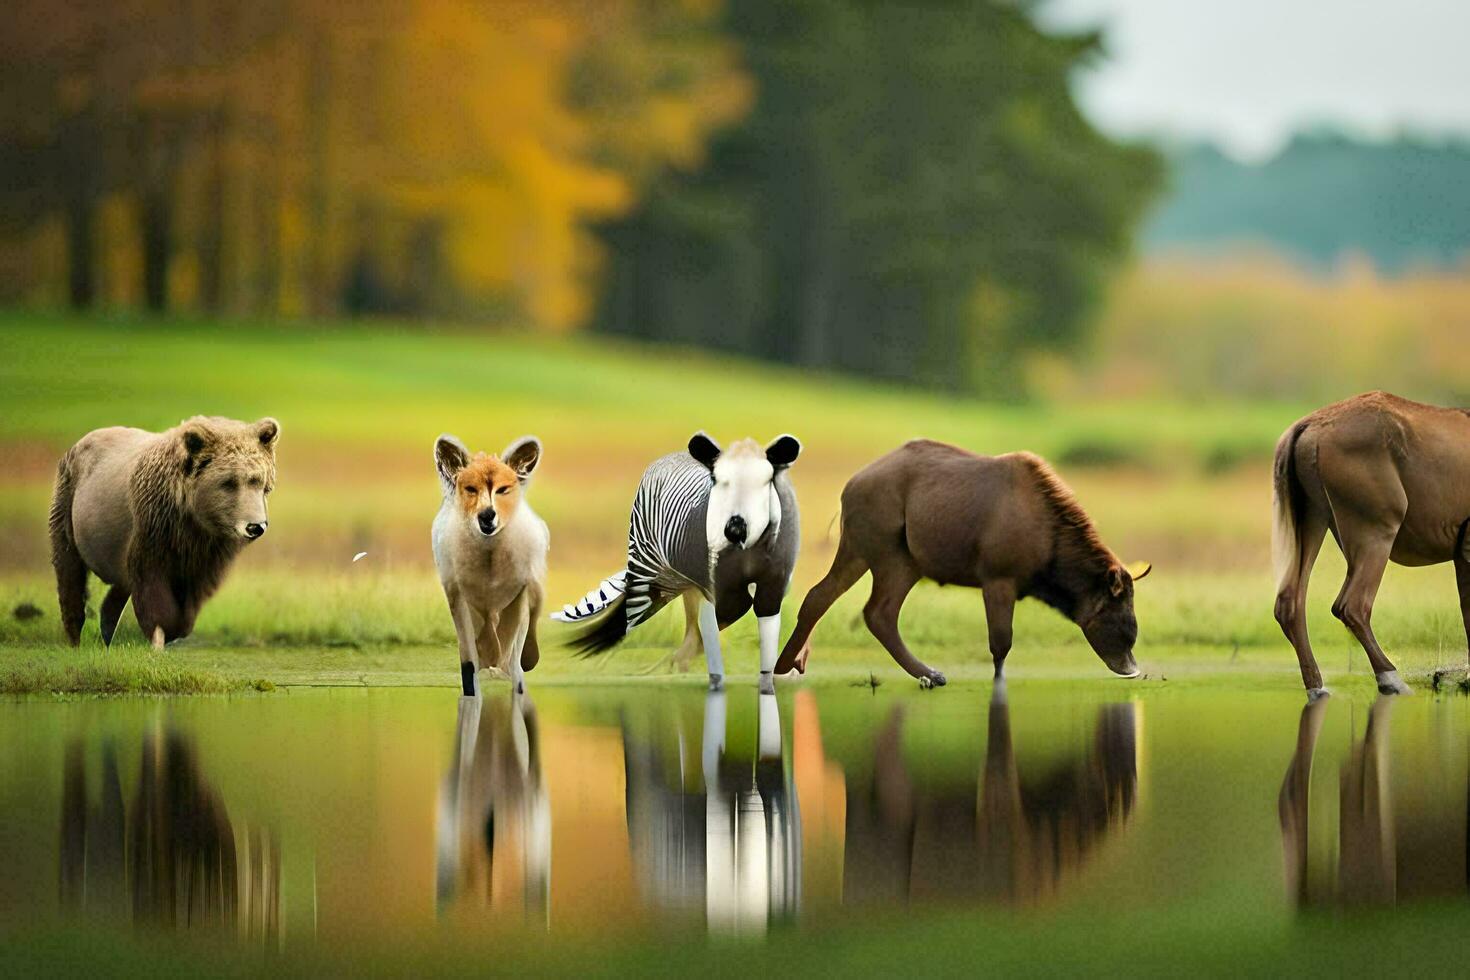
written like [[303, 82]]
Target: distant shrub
[[1087, 453], [1225, 457]]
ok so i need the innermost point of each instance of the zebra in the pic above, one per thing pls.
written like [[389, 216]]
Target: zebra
[[719, 528]]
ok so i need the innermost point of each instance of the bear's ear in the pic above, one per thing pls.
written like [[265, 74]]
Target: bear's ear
[[268, 430], [450, 456], [782, 451], [523, 456], [196, 441], [704, 449]]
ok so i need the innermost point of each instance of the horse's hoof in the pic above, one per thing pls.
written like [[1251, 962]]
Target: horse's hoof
[[1316, 694], [934, 679], [1389, 683], [767, 684], [716, 682]]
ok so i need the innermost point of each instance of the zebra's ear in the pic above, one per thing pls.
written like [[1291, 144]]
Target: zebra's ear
[[450, 456], [704, 449], [782, 451], [523, 456]]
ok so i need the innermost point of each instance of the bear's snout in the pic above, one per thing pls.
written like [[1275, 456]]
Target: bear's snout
[[253, 531]]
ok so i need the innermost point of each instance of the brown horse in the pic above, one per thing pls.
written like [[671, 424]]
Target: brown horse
[[1007, 525], [1390, 478]]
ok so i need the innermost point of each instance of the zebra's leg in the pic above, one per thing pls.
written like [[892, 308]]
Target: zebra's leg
[[680, 658], [768, 596], [770, 634], [689, 648], [709, 632]]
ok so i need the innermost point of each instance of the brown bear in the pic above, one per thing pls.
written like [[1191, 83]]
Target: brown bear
[[158, 516]]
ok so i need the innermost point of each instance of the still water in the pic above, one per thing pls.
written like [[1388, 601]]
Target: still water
[[321, 817]]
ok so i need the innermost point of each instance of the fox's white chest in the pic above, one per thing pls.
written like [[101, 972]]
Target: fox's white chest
[[489, 571]]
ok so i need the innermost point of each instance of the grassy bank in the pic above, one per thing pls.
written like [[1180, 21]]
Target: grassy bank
[[278, 627]]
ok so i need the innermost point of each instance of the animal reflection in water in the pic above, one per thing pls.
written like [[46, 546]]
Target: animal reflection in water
[[1383, 853], [494, 823], [1016, 837], [172, 858], [733, 842], [725, 837]]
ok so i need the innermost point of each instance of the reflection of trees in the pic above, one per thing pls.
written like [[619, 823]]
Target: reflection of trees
[[494, 826], [1381, 856], [725, 836], [169, 860], [1014, 837]]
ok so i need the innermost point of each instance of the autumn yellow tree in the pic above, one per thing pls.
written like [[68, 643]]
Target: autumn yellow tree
[[307, 156]]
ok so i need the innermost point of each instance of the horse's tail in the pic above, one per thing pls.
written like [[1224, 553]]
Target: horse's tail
[[1286, 548]]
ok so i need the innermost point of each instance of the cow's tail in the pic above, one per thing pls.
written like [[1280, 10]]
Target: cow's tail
[[1286, 501]]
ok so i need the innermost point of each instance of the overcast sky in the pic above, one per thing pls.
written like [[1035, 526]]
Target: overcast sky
[[1248, 72]]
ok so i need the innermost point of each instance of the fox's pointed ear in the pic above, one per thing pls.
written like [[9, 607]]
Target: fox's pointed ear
[[704, 449], [450, 456], [523, 456], [1139, 569], [783, 450]]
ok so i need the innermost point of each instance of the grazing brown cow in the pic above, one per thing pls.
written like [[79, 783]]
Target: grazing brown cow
[[1004, 524], [1390, 478]]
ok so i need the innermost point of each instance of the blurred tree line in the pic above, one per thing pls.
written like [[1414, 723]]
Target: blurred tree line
[[1326, 196], [310, 157], [900, 188]]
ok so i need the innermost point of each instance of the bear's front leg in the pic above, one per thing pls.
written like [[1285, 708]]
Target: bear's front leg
[[157, 610]]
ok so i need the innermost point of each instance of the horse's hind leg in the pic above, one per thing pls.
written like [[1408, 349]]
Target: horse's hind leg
[[1367, 546], [1462, 579], [1291, 601], [847, 568], [892, 583]]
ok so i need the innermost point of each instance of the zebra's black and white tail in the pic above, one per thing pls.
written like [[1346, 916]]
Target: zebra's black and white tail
[[605, 610], [605, 631], [594, 602], [611, 611]]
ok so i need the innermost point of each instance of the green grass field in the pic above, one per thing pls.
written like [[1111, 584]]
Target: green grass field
[[1185, 485]]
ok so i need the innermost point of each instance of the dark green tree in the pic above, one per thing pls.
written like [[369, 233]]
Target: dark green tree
[[914, 196]]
